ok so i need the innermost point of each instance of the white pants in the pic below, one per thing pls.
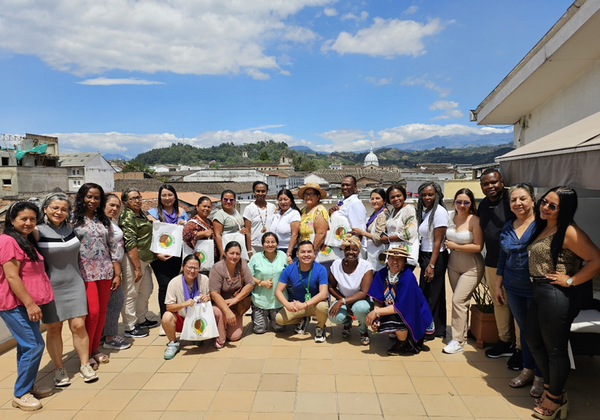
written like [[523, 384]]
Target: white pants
[[136, 294]]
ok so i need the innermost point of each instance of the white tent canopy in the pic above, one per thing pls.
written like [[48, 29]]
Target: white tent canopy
[[569, 156]]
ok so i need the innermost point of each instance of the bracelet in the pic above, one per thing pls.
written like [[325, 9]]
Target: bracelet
[[118, 275], [376, 314], [344, 300]]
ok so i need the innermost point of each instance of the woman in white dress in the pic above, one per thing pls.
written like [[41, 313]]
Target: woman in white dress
[[257, 218]]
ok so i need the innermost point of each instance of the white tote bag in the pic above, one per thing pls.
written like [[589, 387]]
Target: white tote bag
[[375, 255], [339, 225], [166, 239], [238, 237], [206, 252], [199, 323], [326, 252]]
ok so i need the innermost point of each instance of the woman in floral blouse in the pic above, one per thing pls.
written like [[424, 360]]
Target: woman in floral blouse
[[99, 260], [199, 227], [402, 225], [314, 223]]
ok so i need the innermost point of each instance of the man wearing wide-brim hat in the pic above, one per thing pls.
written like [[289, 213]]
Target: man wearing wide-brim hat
[[400, 307]]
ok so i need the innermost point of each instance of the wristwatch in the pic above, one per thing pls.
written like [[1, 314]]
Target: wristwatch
[[570, 282], [432, 266]]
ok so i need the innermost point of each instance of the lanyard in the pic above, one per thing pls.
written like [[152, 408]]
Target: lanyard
[[307, 287]]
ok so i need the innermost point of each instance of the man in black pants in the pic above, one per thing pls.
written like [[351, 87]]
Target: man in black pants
[[494, 212]]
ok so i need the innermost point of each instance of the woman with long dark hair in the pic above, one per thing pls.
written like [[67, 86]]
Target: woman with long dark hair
[[286, 224], [401, 225], [25, 290], [464, 238], [556, 252], [199, 227], [165, 267], [376, 227], [432, 217], [58, 243], [99, 262]]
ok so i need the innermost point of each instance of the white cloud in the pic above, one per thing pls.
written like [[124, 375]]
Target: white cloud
[[329, 11], [266, 127], [386, 37], [450, 109], [103, 81], [379, 82], [180, 36], [299, 34], [415, 132], [427, 83], [411, 9], [351, 16]]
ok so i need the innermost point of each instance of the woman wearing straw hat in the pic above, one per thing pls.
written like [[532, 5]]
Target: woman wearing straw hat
[[315, 218], [400, 307]]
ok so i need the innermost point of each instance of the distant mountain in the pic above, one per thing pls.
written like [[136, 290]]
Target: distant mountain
[[456, 142], [306, 149], [115, 156]]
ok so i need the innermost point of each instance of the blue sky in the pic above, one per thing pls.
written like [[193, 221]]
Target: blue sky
[[124, 77]]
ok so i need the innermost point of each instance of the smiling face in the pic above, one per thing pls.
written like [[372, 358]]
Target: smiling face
[[112, 207], [376, 201], [549, 206], [521, 203], [270, 243], [204, 209], [428, 197], [492, 186], [351, 253], [91, 200], [57, 211], [306, 254], [228, 201], [167, 198], [260, 192], [311, 197], [284, 202], [462, 203], [190, 270], [233, 255], [348, 187], [25, 222], [396, 264], [397, 199]]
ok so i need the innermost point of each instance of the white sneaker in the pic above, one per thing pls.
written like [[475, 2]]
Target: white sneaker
[[87, 373], [453, 347], [162, 332], [61, 377]]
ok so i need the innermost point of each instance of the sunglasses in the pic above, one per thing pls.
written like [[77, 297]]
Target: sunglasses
[[462, 203], [229, 200], [551, 206]]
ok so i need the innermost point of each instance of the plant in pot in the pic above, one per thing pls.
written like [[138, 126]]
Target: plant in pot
[[483, 321]]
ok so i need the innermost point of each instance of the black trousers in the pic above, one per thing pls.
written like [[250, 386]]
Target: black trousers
[[435, 290], [547, 330], [164, 272]]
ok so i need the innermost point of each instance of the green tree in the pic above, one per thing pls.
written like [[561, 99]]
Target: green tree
[[264, 156], [135, 166]]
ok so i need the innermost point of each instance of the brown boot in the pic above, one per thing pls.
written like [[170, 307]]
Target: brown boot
[[27, 402]]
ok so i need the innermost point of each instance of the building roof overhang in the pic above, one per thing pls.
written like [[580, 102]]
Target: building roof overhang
[[567, 49]]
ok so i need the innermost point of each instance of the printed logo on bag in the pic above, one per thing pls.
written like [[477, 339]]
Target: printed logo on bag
[[199, 325], [381, 258], [340, 232], [202, 257], [166, 240], [326, 250]]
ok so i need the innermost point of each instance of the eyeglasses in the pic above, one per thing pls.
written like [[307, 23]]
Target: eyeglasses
[[551, 206], [138, 198], [228, 200], [462, 203], [192, 268]]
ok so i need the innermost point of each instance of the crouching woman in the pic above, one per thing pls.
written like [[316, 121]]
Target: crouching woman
[[182, 292], [400, 306]]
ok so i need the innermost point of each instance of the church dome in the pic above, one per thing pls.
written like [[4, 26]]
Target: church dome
[[371, 159]]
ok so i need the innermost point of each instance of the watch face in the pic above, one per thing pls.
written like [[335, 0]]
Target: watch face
[[570, 281]]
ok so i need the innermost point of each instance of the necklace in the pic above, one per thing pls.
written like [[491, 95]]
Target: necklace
[[260, 216]]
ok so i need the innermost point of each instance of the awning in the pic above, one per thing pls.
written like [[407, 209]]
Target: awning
[[569, 156]]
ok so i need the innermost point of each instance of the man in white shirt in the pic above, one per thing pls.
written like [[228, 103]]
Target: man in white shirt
[[351, 206]]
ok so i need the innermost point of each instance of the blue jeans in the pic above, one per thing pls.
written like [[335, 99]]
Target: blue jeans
[[360, 309], [519, 305], [30, 347]]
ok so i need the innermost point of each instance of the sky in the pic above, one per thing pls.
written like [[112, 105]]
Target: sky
[[125, 77]]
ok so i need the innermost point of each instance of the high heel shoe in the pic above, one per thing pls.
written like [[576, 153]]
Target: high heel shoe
[[545, 413]]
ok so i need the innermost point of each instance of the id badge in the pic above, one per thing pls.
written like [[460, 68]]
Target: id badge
[[307, 297]]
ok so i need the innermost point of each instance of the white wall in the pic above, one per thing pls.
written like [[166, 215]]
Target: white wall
[[99, 171], [577, 100]]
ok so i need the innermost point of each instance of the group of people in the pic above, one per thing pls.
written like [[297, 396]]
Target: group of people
[[92, 263]]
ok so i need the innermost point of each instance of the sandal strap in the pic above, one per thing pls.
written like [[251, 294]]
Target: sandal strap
[[558, 400]]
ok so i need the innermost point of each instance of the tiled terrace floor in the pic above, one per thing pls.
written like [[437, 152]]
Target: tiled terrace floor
[[292, 377]]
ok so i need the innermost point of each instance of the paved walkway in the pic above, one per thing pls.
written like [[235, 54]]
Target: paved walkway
[[291, 377]]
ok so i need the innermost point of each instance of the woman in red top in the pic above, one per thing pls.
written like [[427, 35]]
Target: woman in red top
[[24, 287]]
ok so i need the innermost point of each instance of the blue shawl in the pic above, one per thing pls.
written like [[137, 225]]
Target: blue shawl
[[410, 303]]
